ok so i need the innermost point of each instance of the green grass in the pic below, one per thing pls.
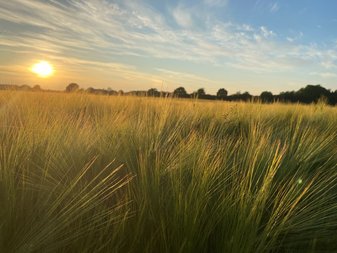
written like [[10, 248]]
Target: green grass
[[82, 173]]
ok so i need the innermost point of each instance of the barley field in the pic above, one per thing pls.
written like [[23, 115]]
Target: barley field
[[85, 173]]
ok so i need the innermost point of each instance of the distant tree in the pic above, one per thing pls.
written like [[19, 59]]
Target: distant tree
[[120, 93], [312, 93], [25, 87], [246, 96], [180, 92], [112, 92], [222, 93], [267, 97], [333, 98], [90, 90], [288, 96], [194, 94], [72, 87], [165, 94], [36, 87], [201, 92], [153, 92], [240, 97]]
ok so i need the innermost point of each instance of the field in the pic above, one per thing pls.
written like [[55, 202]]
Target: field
[[86, 173]]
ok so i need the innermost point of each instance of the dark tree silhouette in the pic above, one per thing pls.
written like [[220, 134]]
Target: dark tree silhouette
[[246, 96], [267, 97], [288, 96], [333, 98], [108, 91], [180, 92], [153, 92], [90, 90], [201, 92], [222, 93], [312, 93], [194, 95], [72, 87], [308, 94], [240, 97]]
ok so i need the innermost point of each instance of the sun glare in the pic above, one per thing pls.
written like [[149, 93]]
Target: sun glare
[[42, 69]]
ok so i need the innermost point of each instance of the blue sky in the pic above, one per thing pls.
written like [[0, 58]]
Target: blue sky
[[241, 45]]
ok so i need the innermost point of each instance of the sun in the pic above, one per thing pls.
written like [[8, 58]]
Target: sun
[[42, 69]]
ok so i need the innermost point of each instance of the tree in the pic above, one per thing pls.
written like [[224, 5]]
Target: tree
[[246, 96], [288, 96], [72, 87], [267, 97], [25, 87], [241, 97], [112, 92], [312, 93], [201, 92], [194, 95], [153, 92], [180, 92], [36, 87], [222, 93], [333, 98], [90, 90]]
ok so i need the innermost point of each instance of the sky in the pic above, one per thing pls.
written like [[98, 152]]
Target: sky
[[239, 45]]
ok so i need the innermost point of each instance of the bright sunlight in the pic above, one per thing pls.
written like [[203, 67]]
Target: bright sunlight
[[43, 69]]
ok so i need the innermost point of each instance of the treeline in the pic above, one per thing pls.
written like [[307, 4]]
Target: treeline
[[307, 95], [23, 87]]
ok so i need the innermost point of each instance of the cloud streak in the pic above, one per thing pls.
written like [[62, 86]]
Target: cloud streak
[[99, 34], [274, 7]]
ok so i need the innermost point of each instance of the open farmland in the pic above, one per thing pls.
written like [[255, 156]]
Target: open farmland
[[86, 173]]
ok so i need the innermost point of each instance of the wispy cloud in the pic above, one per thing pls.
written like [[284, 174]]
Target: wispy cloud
[[266, 33], [274, 7], [216, 3], [119, 37], [295, 37], [182, 16], [324, 74], [181, 78]]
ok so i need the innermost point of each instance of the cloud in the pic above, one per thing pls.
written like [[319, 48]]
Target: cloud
[[176, 78], [266, 33], [182, 16], [274, 7], [324, 74], [122, 39], [216, 3], [290, 39], [295, 37], [328, 63], [264, 7]]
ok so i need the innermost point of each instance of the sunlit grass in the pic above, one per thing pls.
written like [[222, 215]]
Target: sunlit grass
[[82, 173]]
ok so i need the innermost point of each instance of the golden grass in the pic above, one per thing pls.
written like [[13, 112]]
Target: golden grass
[[85, 173]]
